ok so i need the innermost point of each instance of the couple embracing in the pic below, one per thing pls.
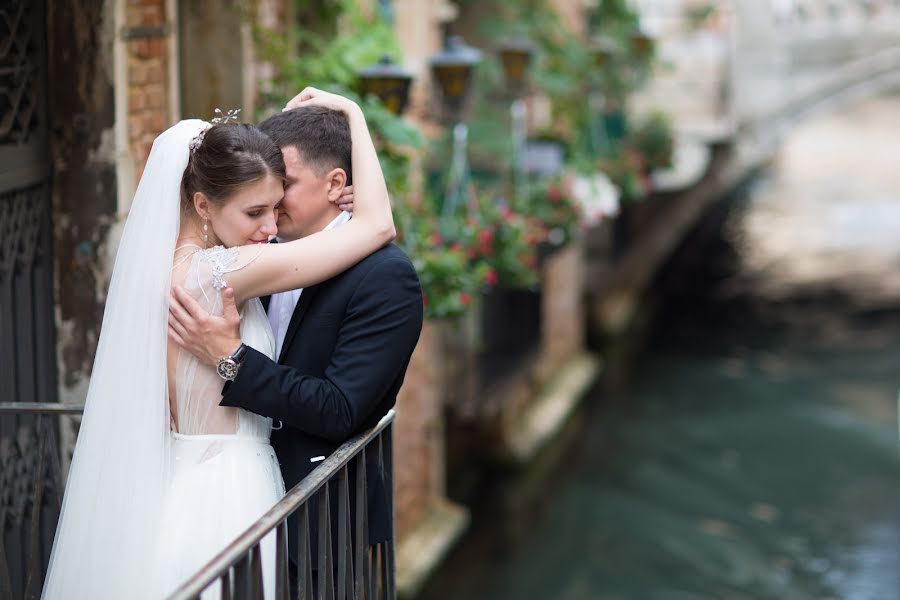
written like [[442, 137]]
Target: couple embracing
[[193, 375]]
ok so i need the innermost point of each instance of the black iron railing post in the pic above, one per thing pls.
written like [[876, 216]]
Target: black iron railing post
[[345, 567], [357, 570], [28, 514]]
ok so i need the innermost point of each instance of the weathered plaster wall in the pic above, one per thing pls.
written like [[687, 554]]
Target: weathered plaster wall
[[84, 187]]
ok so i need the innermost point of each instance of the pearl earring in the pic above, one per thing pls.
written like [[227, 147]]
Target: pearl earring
[[205, 231]]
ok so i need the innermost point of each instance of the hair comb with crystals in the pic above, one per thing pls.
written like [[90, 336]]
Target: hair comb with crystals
[[222, 119], [226, 117]]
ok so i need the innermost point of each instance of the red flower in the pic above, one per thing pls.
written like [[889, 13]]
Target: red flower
[[490, 277], [465, 298], [485, 241], [554, 194], [436, 239]]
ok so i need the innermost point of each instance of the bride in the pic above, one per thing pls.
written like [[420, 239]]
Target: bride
[[162, 477]]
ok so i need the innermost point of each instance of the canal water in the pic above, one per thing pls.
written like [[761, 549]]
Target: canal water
[[753, 452]]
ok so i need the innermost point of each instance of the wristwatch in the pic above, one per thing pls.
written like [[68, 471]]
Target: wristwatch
[[228, 366]]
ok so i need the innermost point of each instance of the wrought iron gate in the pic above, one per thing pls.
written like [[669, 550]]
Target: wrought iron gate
[[29, 475]]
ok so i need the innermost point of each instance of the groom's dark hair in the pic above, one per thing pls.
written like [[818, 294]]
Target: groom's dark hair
[[320, 135]]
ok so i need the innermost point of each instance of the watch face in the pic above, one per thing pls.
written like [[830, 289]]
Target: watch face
[[227, 369]]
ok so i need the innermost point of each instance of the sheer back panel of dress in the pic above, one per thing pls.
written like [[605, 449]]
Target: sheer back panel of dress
[[197, 386]]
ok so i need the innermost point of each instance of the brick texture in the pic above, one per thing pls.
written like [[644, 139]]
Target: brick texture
[[419, 432], [562, 321], [148, 81]]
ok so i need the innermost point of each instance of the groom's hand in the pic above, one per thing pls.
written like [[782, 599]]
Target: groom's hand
[[206, 336]]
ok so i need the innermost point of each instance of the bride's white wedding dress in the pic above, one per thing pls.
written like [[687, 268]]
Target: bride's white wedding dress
[[146, 506], [223, 471]]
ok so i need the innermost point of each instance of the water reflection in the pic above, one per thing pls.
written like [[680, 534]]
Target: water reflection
[[755, 454]]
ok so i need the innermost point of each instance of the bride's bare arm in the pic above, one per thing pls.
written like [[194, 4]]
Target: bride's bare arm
[[315, 258]]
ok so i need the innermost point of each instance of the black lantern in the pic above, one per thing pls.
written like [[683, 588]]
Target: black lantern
[[452, 70], [603, 51], [641, 43], [515, 56], [389, 82]]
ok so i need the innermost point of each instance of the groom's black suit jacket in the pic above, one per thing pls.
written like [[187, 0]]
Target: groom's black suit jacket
[[342, 362]]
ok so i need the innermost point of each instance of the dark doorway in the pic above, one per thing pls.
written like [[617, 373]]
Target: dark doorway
[[29, 487]]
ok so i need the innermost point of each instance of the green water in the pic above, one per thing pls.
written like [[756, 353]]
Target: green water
[[754, 451]]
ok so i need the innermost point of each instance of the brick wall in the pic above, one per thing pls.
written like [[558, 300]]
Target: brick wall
[[419, 432], [148, 79], [562, 318]]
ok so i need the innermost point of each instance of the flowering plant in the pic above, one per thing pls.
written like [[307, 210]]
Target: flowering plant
[[450, 280], [653, 139], [626, 169], [495, 234], [552, 205]]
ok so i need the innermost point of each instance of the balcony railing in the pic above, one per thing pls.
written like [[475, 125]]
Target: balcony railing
[[31, 488], [346, 566]]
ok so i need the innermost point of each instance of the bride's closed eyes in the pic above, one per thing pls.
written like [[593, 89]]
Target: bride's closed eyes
[[250, 215]]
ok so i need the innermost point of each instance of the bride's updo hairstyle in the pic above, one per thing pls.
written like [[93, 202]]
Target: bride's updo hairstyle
[[225, 158]]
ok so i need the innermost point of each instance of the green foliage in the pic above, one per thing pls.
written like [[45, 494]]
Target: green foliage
[[307, 57], [625, 168], [550, 204], [653, 139], [561, 67], [450, 280], [699, 15], [502, 238]]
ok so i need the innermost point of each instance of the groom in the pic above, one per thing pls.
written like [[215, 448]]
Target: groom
[[343, 346]]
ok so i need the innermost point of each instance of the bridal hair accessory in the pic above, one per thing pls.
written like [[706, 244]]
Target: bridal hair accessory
[[225, 118], [195, 143]]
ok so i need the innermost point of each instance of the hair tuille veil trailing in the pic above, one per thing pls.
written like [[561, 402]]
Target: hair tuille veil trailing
[[105, 545]]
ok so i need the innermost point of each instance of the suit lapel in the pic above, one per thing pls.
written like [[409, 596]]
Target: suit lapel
[[266, 299], [303, 303]]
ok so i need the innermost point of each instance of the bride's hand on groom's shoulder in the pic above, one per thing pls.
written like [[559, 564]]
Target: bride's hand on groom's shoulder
[[345, 200], [311, 96]]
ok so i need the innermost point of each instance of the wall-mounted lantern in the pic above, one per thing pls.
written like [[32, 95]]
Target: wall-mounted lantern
[[642, 43], [603, 50], [515, 56], [389, 82], [452, 69]]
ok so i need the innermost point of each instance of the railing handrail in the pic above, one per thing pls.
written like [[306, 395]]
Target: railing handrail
[[41, 408], [291, 501]]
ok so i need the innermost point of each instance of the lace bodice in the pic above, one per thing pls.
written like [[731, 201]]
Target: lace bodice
[[198, 388]]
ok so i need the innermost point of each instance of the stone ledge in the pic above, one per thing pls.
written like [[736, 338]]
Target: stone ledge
[[423, 549], [552, 407]]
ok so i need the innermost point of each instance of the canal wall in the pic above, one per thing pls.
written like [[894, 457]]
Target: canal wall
[[504, 413]]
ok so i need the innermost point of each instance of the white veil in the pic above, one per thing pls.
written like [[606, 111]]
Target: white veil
[[104, 545]]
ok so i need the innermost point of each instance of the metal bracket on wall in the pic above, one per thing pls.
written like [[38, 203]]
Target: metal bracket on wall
[[144, 32]]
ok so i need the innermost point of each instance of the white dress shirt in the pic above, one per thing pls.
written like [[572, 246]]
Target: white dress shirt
[[282, 304]]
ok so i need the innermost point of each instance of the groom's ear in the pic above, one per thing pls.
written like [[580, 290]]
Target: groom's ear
[[201, 205], [337, 181]]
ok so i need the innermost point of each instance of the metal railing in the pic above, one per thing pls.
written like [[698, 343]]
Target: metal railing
[[31, 486], [346, 567]]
